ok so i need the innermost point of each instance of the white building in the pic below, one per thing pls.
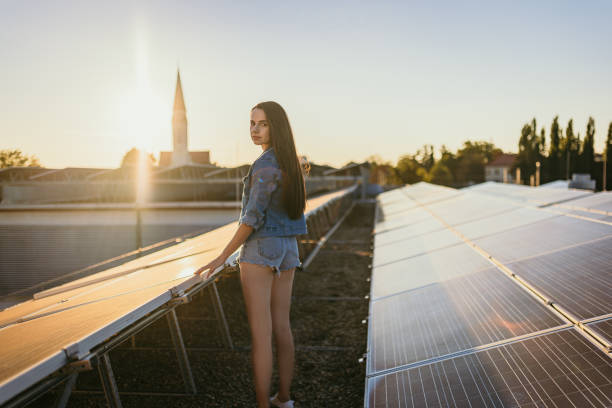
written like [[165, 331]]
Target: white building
[[499, 168]]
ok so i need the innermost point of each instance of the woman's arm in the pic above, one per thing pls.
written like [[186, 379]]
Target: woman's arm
[[242, 233], [265, 181]]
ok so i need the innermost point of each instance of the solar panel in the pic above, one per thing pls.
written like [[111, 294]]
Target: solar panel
[[404, 248], [537, 196], [450, 316], [412, 231], [39, 336], [469, 207], [542, 237], [601, 201], [503, 222], [422, 189], [408, 220], [579, 278], [426, 269], [586, 214], [24, 347], [398, 207], [603, 328], [559, 369], [433, 196]]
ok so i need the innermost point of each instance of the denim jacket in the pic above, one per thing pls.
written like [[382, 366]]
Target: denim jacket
[[262, 204]]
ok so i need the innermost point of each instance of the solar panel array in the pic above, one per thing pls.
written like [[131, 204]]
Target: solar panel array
[[496, 295], [65, 323]]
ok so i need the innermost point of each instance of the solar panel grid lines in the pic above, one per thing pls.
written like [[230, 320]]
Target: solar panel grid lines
[[603, 329], [562, 311], [404, 247], [602, 219], [424, 269], [203, 247], [570, 208], [579, 278], [168, 274], [105, 318], [547, 235], [399, 207], [459, 314], [584, 234], [413, 214], [469, 207], [424, 223], [88, 316], [434, 197], [556, 369], [206, 242], [509, 220]]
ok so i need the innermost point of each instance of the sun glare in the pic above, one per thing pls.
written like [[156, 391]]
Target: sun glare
[[144, 119]]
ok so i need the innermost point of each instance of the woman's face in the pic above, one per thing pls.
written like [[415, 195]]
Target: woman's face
[[260, 129]]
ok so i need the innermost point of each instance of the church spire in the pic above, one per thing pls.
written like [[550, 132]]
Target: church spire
[[180, 155], [179, 102]]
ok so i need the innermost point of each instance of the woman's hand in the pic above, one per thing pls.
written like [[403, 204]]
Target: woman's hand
[[211, 266]]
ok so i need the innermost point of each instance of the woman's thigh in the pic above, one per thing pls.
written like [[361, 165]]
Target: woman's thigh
[[257, 288], [281, 299]]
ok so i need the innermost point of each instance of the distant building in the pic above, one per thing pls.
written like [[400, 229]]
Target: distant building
[[501, 165], [181, 155]]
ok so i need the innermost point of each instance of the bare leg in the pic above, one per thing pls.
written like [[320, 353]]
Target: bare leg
[[281, 305], [256, 287]]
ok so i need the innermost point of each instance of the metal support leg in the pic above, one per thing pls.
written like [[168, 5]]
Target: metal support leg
[[223, 326], [181, 352], [108, 382], [61, 403]]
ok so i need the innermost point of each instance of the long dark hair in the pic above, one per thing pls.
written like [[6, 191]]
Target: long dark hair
[[281, 138]]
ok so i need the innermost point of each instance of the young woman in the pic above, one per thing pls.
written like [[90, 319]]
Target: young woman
[[273, 202]]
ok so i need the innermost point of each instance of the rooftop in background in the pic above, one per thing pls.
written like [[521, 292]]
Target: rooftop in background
[[503, 160]]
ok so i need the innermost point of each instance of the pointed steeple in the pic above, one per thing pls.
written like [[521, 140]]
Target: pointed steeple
[[179, 102], [180, 155]]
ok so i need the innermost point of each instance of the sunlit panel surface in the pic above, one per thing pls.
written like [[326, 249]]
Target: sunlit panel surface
[[409, 232], [603, 328], [503, 222], [447, 327], [559, 369], [578, 278], [400, 248], [410, 220], [425, 269], [470, 207], [450, 316], [542, 237]]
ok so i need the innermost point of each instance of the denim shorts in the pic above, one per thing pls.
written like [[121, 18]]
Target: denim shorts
[[279, 253]]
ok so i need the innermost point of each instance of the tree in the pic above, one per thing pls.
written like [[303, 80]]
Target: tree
[[608, 158], [554, 154], [587, 155], [408, 169], [449, 160], [471, 161], [440, 174], [15, 158], [382, 172], [132, 156], [425, 156], [572, 147], [531, 147]]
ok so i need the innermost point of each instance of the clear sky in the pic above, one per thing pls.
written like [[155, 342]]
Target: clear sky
[[81, 82]]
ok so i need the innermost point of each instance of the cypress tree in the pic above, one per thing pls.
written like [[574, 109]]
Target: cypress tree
[[608, 158], [572, 147], [554, 154], [587, 156]]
